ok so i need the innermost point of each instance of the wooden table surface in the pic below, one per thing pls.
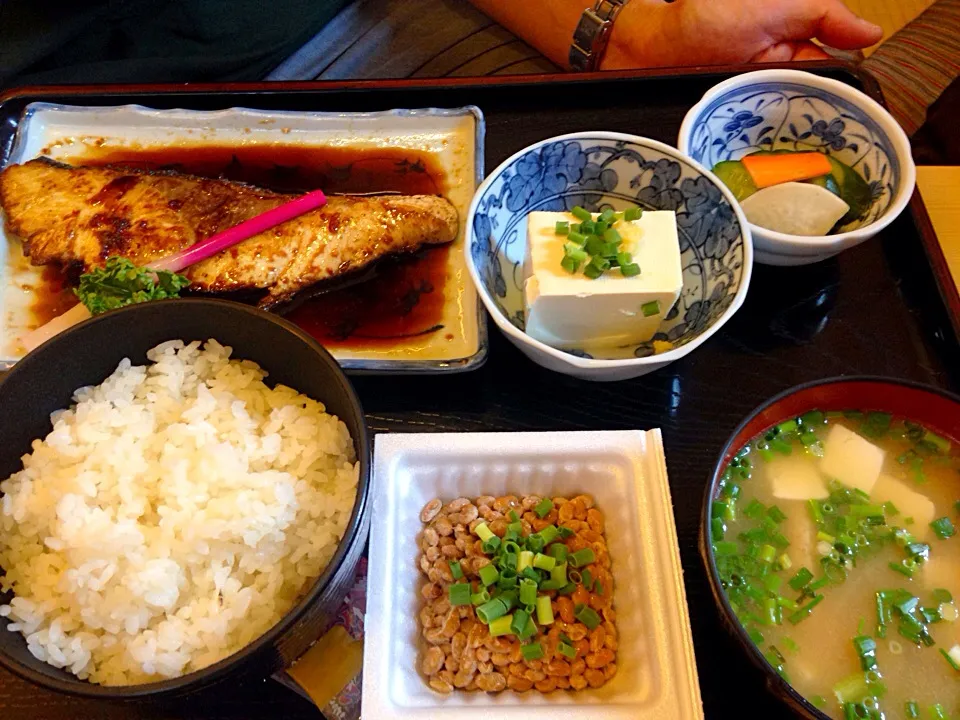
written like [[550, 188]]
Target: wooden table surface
[[940, 189]]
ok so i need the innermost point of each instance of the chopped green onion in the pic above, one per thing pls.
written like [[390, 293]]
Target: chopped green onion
[[767, 554], [489, 574], [943, 528], [589, 227], [491, 610], [559, 572], [456, 570], [804, 612], [543, 507], [490, 546], [624, 258], [629, 270], [502, 625], [938, 442], [852, 689], [529, 630], [544, 562], [866, 648], [508, 561], [480, 598], [942, 595], [582, 557], [533, 651], [587, 579], [577, 238], [608, 216], [544, 611], [776, 514], [565, 532], [651, 308], [562, 227], [631, 214], [863, 511], [548, 534], [612, 236], [938, 712], [567, 589], [575, 252], [509, 598], [524, 560], [568, 651], [569, 264], [725, 548], [558, 551], [513, 517], [483, 532], [459, 593], [535, 543], [912, 709], [588, 616], [903, 568], [952, 656], [519, 622], [600, 263], [548, 585], [592, 272], [581, 214], [530, 574], [528, 592], [798, 581]]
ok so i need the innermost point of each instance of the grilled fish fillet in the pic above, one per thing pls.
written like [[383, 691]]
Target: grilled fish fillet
[[82, 215]]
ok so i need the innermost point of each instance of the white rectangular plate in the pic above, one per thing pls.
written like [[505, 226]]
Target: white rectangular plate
[[626, 474], [452, 138]]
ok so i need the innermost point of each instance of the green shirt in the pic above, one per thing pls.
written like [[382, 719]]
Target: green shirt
[[102, 41]]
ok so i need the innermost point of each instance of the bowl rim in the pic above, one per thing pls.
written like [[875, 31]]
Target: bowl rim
[[898, 138], [351, 536], [783, 689], [514, 333]]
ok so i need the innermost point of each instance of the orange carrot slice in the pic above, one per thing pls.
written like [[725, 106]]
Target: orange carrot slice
[[769, 170]]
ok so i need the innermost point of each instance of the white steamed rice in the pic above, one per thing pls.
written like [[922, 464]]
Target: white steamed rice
[[172, 516]]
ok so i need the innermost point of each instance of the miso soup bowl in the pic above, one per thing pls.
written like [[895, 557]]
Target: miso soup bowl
[[796, 110], [935, 409]]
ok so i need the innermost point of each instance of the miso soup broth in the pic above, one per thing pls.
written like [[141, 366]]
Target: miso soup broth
[[834, 539]]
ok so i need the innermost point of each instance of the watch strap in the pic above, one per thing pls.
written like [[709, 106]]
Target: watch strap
[[592, 34]]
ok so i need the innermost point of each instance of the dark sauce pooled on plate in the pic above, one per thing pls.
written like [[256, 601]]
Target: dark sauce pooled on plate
[[397, 301]]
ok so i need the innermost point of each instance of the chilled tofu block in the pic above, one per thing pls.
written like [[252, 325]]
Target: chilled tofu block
[[908, 502], [851, 459], [567, 310], [796, 478]]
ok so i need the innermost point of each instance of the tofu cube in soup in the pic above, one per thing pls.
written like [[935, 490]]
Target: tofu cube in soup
[[909, 504], [851, 459], [795, 478]]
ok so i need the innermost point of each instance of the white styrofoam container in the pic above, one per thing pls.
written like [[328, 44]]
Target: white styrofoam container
[[626, 474]]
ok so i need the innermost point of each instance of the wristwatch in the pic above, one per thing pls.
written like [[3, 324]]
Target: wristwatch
[[593, 33]]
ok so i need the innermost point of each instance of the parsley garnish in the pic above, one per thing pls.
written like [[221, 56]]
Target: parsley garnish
[[120, 283]]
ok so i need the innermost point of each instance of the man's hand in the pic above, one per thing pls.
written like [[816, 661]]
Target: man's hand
[[651, 33]]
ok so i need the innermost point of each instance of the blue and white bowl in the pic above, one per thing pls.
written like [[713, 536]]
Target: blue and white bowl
[[795, 110], [599, 170]]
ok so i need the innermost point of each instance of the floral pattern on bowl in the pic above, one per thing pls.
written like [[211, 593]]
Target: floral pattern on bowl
[[608, 171], [793, 116]]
